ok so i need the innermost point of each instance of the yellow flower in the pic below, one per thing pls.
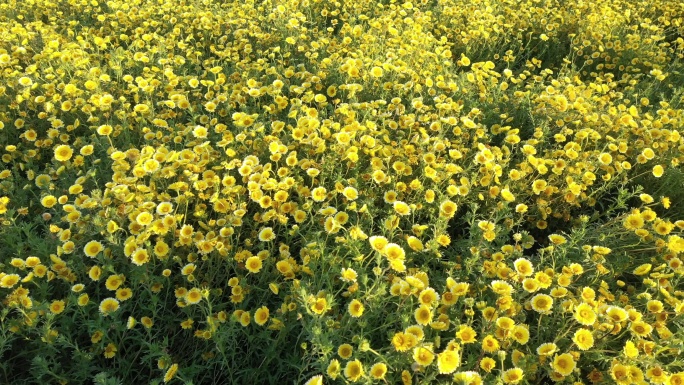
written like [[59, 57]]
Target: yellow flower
[[140, 257], [406, 378], [654, 306], [63, 152], [83, 299], [584, 314], [416, 331], [147, 322], [564, 364], [616, 314], [665, 201], [521, 334], [501, 288], [658, 171], [620, 373], [261, 315], [48, 201], [378, 243], [414, 243], [539, 186], [9, 280], [110, 351], [187, 324], [200, 132], [170, 373], [428, 296], [505, 323], [123, 294], [353, 371], [93, 248], [487, 364], [656, 375], [507, 195], [523, 267], [584, 339], [104, 130], [401, 208], [490, 344], [521, 208], [285, 268], [193, 296], [466, 334], [150, 166], [423, 356], [253, 264], [394, 252], [675, 244], [333, 369], [530, 285], [348, 275], [641, 328], [605, 158], [542, 303], [108, 306], [642, 269], [97, 336], [266, 234], [57, 307], [404, 341], [633, 221], [319, 194], [319, 306], [447, 209], [423, 315], [345, 351], [95, 272], [378, 371], [376, 72], [25, 81], [557, 239], [356, 308], [512, 376], [141, 108], [448, 361], [350, 193], [547, 349], [144, 218], [630, 350]]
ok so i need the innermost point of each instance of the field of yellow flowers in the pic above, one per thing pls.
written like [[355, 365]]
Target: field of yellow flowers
[[341, 192]]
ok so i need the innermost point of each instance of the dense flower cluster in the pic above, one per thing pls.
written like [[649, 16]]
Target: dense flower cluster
[[320, 191]]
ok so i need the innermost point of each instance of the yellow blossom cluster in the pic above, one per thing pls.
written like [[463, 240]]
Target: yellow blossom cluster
[[313, 191]]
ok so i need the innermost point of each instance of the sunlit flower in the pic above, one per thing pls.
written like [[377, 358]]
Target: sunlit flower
[[378, 371], [584, 339], [253, 264], [564, 364], [542, 303], [333, 369], [354, 370], [266, 234], [261, 315], [108, 306], [63, 152], [584, 314], [512, 376], [170, 373], [356, 308], [448, 361], [92, 248]]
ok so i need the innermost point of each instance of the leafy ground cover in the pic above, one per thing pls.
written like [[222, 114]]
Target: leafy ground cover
[[335, 192]]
